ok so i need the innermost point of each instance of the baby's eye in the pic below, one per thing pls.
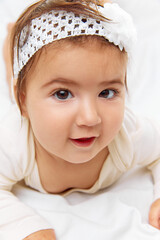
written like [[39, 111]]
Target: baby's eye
[[108, 93], [63, 94]]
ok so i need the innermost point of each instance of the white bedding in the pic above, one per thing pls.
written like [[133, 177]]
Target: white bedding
[[121, 211]]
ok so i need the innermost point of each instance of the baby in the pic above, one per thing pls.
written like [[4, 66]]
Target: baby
[[69, 63]]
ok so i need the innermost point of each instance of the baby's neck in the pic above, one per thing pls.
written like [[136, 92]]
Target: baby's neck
[[56, 177]]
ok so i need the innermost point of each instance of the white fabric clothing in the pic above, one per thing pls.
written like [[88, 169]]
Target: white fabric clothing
[[137, 143]]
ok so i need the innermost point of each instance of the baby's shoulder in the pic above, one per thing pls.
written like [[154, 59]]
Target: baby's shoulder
[[16, 143]]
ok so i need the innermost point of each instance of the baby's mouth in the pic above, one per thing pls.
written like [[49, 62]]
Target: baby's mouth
[[83, 142]]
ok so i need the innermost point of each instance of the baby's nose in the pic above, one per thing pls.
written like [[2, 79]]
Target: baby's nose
[[88, 114]]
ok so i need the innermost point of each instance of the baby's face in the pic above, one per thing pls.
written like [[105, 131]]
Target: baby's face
[[75, 101]]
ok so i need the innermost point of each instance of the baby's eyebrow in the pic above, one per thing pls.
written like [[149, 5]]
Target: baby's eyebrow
[[60, 80], [113, 82]]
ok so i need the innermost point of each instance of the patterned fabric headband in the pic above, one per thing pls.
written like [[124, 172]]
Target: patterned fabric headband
[[58, 24]]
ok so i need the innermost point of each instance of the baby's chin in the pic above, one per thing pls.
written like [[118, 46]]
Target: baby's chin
[[88, 157], [79, 161]]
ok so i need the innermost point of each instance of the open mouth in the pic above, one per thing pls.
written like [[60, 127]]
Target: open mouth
[[83, 142]]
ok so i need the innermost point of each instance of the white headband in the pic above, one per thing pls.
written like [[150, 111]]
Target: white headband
[[60, 24]]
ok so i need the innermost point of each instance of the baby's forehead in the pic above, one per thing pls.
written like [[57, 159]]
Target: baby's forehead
[[88, 42], [63, 52], [68, 55]]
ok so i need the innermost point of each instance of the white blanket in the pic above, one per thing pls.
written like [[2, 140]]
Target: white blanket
[[121, 211]]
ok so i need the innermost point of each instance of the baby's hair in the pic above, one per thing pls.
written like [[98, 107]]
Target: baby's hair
[[85, 7]]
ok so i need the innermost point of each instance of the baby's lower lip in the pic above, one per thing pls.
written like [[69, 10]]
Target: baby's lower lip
[[83, 142]]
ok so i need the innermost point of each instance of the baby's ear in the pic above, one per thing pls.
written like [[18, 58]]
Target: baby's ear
[[20, 100], [23, 107]]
